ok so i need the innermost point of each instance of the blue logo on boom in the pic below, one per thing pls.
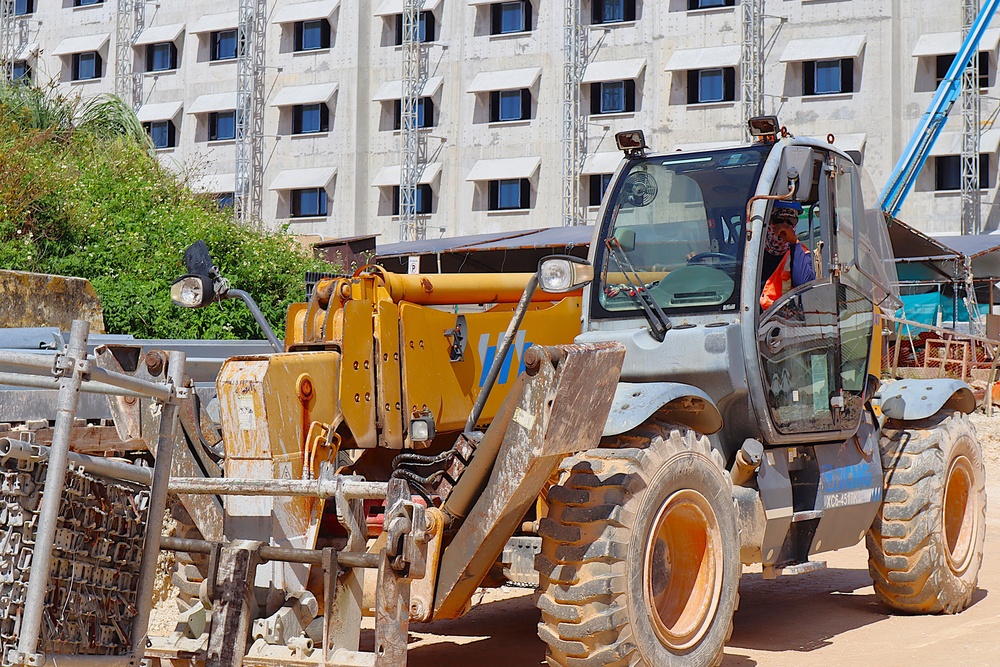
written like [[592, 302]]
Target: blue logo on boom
[[488, 353], [847, 478]]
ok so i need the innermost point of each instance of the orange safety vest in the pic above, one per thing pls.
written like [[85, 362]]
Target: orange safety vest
[[780, 281]]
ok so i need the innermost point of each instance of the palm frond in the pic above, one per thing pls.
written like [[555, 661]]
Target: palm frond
[[107, 116], [36, 107]]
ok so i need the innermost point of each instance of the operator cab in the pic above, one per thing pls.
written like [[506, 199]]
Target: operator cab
[[681, 243], [677, 231]]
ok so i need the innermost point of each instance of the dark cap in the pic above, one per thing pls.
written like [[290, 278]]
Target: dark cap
[[781, 205]]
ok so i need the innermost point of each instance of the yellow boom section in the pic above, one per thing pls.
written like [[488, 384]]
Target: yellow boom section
[[419, 346]]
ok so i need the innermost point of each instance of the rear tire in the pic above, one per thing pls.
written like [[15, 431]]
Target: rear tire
[[640, 554], [925, 546]]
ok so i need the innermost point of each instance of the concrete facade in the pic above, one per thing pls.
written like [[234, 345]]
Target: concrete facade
[[891, 88]]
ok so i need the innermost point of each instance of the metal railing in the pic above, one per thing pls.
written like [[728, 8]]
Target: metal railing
[[73, 372]]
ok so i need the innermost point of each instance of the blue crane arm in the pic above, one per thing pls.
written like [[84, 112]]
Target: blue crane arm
[[915, 155]]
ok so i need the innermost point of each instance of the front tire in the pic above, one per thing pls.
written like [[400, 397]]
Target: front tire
[[640, 554], [925, 546]]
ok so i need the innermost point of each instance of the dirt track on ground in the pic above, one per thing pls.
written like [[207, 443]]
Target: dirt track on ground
[[824, 619]]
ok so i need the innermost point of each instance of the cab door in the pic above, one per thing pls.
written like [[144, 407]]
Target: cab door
[[811, 344]]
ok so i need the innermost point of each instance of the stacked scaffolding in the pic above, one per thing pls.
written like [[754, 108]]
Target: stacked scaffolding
[[250, 111], [971, 207], [412, 225], [574, 127], [752, 62], [131, 21]]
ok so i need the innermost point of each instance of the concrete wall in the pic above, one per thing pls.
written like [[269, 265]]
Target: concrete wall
[[892, 89]]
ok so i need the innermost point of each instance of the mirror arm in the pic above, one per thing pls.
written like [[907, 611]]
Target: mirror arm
[[501, 354], [258, 316]]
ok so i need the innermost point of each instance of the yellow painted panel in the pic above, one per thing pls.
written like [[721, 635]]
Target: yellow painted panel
[[357, 376], [295, 319], [448, 389], [264, 413], [390, 405], [290, 408], [240, 387]]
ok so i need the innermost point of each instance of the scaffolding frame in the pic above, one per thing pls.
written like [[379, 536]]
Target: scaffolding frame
[[251, 61], [752, 63], [8, 38], [412, 224], [574, 126], [131, 20], [971, 126]]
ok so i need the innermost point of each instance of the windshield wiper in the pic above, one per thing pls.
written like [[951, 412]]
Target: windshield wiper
[[659, 325]]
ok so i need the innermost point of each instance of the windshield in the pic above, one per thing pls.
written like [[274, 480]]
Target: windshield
[[677, 222]]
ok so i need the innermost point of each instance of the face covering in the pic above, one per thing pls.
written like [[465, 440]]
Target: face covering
[[774, 244]]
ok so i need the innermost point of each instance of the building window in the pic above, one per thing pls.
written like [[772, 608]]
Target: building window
[[310, 118], [509, 194], [161, 57], [87, 3], [826, 77], [509, 17], [708, 4], [613, 11], [24, 7], [612, 97], [86, 66], [425, 113], [424, 199], [598, 185], [162, 132], [221, 125], [20, 70], [948, 172], [944, 64], [225, 200], [223, 45], [312, 35], [711, 85], [426, 28], [510, 105], [308, 203]]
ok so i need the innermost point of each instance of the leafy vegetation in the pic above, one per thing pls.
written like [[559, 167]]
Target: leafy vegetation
[[82, 194]]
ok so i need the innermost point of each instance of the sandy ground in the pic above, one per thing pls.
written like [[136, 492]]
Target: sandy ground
[[824, 619]]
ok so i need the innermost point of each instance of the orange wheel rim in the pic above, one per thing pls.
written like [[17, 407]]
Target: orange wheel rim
[[960, 516], [683, 569]]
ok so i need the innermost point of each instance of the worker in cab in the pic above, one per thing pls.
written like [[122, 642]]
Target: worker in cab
[[787, 263]]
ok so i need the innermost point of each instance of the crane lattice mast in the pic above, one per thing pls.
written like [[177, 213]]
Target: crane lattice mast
[[412, 224], [971, 206], [131, 19], [251, 60], [752, 62]]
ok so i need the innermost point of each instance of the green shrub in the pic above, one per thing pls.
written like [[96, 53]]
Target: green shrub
[[82, 194]]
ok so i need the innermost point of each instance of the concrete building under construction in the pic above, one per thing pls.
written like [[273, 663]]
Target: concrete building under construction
[[452, 117]]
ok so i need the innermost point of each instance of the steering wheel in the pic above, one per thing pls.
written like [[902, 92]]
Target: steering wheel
[[701, 257]]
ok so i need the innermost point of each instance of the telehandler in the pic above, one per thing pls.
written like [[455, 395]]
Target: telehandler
[[641, 440]]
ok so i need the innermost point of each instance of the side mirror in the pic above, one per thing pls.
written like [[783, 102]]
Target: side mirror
[[564, 273], [625, 238], [192, 291]]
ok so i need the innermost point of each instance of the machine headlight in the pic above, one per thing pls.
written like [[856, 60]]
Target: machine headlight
[[192, 291], [563, 273], [422, 429]]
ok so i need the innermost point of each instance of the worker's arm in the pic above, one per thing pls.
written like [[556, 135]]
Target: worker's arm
[[802, 266]]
